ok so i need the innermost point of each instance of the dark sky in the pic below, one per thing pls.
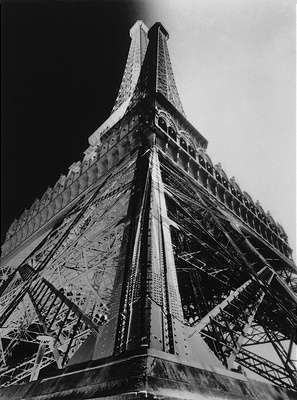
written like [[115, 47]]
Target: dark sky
[[62, 64]]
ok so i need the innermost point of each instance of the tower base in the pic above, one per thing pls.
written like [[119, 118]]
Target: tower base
[[152, 375]]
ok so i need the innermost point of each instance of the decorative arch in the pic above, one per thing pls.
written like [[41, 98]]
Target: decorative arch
[[224, 175], [248, 201], [187, 138], [162, 123], [208, 163], [208, 159], [172, 132], [192, 151], [271, 221], [282, 231], [224, 178], [259, 207], [235, 185], [167, 119], [259, 211], [217, 170], [183, 143], [248, 197], [201, 158]]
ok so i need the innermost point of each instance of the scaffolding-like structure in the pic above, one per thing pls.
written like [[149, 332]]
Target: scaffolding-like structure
[[146, 270]]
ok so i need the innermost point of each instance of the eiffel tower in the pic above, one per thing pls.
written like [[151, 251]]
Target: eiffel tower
[[146, 272]]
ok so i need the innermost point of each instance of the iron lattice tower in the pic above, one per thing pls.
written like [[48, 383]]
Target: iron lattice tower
[[146, 271]]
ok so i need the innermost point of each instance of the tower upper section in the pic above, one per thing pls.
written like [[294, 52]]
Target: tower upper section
[[136, 55], [148, 72], [156, 74], [138, 46], [147, 111]]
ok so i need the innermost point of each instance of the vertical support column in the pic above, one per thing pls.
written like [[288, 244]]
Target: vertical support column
[[145, 309], [165, 263], [153, 310]]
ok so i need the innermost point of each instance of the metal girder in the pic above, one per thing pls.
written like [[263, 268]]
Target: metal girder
[[205, 237], [66, 285], [148, 258], [234, 237], [134, 62], [165, 79], [61, 318], [265, 368], [15, 284], [23, 371], [257, 335], [229, 321], [112, 268], [150, 303], [284, 354]]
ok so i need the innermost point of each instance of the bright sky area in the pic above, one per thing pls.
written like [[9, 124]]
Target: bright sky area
[[234, 64]]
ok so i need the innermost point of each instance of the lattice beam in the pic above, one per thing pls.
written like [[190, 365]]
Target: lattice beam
[[265, 368]]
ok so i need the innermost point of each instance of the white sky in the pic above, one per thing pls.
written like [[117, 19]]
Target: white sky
[[234, 64]]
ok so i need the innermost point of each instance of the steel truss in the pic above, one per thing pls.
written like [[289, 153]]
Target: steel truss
[[148, 258], [232, 295], [61, 294], [66, 291]]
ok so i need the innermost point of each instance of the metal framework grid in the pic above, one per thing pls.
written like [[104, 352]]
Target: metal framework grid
[[231, 294], [148, 258]]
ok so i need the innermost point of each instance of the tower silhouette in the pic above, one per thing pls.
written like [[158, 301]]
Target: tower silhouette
[[146, 272]]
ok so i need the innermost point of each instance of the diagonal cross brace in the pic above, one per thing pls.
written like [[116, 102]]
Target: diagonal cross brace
[[238, 310]]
